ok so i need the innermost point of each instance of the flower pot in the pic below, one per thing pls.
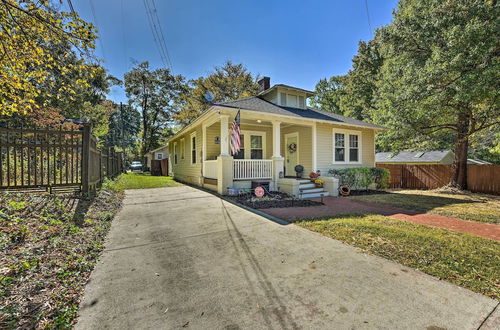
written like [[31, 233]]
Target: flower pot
[[319, 185]]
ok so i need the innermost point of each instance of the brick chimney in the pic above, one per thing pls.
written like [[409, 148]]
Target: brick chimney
[[264, 84]]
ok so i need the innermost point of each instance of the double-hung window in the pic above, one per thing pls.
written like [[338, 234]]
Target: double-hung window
[[339, 147], [256, 147], [193, 148], [183, 148], [353, 148], [252, 145], [175, 153], [241, 153], [346, 146]]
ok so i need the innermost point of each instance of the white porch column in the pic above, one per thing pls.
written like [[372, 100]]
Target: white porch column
[[224, 135], [204, 141], [278, 161], [276, 139], [314, 149]]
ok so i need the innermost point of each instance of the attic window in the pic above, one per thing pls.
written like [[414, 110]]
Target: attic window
[[302, 104], [419, 154], [283, 99]]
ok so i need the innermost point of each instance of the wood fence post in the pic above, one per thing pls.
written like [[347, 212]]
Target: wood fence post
[[87, 133]]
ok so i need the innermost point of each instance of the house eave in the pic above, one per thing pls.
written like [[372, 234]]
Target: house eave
[[310, 120]]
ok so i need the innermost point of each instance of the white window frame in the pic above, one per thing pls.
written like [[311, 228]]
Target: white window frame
[[159, 155], [248, 149], [302, 104], [283, 99], [193, 135], [183, 148], [347, 147]]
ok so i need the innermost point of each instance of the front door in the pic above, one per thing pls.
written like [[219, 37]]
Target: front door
[[291, 153]]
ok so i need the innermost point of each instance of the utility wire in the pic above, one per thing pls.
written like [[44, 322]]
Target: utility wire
[[368, 16], [162, 37], [71, 6], [95, 22], [158, 37]]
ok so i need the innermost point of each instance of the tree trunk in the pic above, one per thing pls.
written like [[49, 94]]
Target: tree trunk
[[459, 177]]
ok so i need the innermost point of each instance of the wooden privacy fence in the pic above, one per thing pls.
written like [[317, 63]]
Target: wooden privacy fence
[[480, 178], [54, 158]]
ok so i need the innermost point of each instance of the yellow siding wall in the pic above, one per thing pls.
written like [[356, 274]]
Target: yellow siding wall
[[325, 147], [184, 170], [213, 150], [304, 146]]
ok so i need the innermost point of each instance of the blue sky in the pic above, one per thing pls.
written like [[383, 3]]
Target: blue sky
[[290, 41]]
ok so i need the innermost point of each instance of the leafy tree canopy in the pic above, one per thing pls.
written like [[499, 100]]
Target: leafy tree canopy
[[31, 36], [156, 93], [228, 82], [440, 75]]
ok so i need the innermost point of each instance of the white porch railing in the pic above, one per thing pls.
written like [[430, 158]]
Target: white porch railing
[[210, 169], [246, 169]]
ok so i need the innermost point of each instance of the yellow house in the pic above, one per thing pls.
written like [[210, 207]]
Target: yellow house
[[278, 132]]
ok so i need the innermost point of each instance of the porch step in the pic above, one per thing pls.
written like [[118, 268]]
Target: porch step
[[314, 194], [310, 190], [302, 181], [307, 185]]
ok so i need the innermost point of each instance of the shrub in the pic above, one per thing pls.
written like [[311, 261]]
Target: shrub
[[362, 177]]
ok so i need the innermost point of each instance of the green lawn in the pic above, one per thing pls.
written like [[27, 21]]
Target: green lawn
[[140, 181], [463, 259], [466, 206]]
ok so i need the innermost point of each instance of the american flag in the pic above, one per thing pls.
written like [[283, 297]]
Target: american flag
[[235, 135]]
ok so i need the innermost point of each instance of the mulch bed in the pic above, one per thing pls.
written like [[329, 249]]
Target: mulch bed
[[273, 200], [49, 245]]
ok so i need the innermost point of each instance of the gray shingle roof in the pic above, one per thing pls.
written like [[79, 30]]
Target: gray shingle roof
[[409, 156], [257, 104]]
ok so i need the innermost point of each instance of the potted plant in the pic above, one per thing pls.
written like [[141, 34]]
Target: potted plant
[[319, 183], [313, 176], [299, 169]]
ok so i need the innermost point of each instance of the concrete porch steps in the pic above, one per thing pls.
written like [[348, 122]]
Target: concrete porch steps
[[308, 189], [316, 194]]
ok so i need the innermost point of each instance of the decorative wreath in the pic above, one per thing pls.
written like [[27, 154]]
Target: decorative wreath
[[292, 147]]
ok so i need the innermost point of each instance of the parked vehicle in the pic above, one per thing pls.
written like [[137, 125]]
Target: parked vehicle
[[136, 166]]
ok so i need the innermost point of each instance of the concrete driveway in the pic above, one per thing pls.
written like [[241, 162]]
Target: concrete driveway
[[182, 258]]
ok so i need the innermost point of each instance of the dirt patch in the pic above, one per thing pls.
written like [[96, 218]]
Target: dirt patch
[[49, 244], [273, 200]]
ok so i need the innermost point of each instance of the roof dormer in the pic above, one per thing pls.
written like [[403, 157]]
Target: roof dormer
[[283, 95]]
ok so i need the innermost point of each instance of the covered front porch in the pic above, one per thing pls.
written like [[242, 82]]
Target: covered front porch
[[271, 148]]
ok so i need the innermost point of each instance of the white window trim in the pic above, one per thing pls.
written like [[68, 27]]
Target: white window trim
[[191, 147], [159, 155], [248, 150], [347, 146]]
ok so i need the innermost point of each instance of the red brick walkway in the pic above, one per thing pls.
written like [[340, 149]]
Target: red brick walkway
[[339, 205]]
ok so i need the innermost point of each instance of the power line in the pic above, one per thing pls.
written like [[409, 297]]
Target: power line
[[368, 16], [156, 30], [71, 6], [95, 22], [155, 12]]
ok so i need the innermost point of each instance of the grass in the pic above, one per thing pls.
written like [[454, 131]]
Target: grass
[[49, 244], [140, 181], [462, 259], [465, 206]]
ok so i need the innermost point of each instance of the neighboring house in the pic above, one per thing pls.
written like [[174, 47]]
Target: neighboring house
[[158, 154], [278, 132], [433, 157]]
